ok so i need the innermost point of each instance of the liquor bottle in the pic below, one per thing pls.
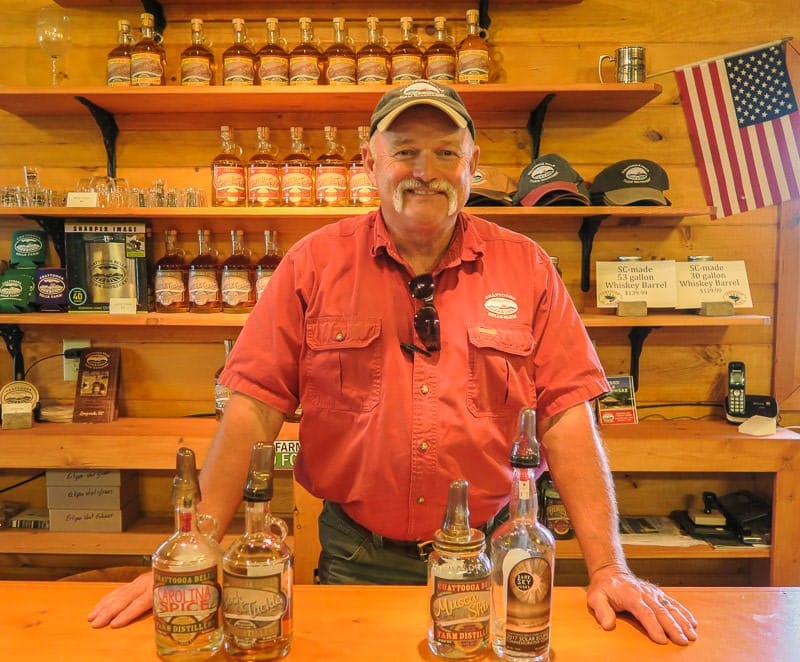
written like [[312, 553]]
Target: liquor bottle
[[172, 277], [339, 59], [406, 58], [272, 60], [472, 64], [297, 176], [118, 60], [238, 279], [204, 277], [221, 392], [372, 59], [363, 192], [459, 583], [523, 556], [148, 57], [264, 172], [552, 511], [268, 262], [186, 574], [238, 60], [330, 182], [258, 572], [440, 56], [227, 173], [198, 67], [305, 58]]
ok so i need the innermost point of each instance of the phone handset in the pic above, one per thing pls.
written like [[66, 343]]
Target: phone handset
[[736, 402]]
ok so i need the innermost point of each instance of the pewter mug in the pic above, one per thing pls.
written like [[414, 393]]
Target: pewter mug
[[630, 64]]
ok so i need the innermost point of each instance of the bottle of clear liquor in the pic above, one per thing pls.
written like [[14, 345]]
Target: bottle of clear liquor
[[222, 394], [523, 553], [297, 177], [258, 572], [148, 57], [204, 296], [268, 262], [238, 280], [272, 60], [440, 56], [372, 59], [172, 277], [406, 59], [186, 574], [198, 67], [238, 60], [264, 172], [305, 59], [473, 54], [331, 173], [228, 173], [339, 59], [118, 60], [363, 192]]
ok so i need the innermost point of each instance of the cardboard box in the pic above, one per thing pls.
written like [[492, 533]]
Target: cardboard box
[[99, 497], [104, 521], [89, 476]]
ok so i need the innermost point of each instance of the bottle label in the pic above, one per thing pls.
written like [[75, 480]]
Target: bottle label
[[221, 396], [442, 68], [406, 67], [146, 69], [297, 184], [372, 69], [238, 71], [170, 287], [253, 607], [273, 70], [186, 604], [473, 66], [195, 71], [341, 70], [203, 287], [263, 185], [229, 188], [262, 278], [460, 613], [237, 288], [303, 70], [118, 72], [331, 185], [362, 191], [528, 589]]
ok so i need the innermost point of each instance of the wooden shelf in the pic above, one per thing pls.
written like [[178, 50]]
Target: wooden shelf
[[569, 549]]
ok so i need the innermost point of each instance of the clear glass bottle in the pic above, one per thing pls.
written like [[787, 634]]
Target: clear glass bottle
[[440, 56], [258, 572], [330, 181], [227, 173], [372, 59], [186, 572], [148, 57], [238, 278], [172, 277], [523, 560], [459, 583], [297, 176], [204, 296], [198, 67], [339, 59], [222, 394], [238, 60], [406, 57], [118, 60], [268, 262], [272, 59], [472, 63], [362, 190], [305, 59], [264, 172]]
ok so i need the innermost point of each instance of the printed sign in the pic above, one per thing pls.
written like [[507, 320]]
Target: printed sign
[[652, 282], [711, 281]]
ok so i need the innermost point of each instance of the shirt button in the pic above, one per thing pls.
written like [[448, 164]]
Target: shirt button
[[339, 336], [424, 389], [423, 446], [420, 499]]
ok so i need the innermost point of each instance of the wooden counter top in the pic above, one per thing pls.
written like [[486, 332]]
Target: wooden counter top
[[47, 621]]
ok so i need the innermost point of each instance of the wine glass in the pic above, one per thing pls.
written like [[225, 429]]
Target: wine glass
[[54, 34]]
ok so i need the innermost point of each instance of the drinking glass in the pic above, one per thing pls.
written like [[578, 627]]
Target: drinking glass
[[54, 34]]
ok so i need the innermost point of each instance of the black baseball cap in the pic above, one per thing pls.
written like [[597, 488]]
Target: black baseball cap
[[630, 182], [550, 180]]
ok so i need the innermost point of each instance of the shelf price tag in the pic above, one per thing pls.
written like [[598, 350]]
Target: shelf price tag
[[712, 281], [652, 281]]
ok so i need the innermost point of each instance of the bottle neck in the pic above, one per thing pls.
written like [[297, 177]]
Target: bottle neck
[[523, 503], [239, 37], [186, 515], [273, 37], [237, 247], [147, 33], [123, 37], [472, 29], [203, 245], [197, 37], [307, 36], [256, 517]]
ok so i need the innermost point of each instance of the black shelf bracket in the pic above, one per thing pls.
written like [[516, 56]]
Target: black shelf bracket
[[109, 129], [154, 7], [637, 336], [588, 229], [484, 21], [13, 335]]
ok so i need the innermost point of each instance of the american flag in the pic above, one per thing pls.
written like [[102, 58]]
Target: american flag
[[745, 128]]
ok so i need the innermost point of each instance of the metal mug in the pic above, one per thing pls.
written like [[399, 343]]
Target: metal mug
[[630, 64]]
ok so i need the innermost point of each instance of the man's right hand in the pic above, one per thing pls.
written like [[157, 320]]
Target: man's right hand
[[124, 604]]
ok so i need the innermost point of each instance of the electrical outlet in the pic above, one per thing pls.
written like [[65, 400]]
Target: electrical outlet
[[71, 365]]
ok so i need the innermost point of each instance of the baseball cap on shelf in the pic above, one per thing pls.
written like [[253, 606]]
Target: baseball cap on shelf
[[630, 182], [420, 92], [491, 187], [550, 180]]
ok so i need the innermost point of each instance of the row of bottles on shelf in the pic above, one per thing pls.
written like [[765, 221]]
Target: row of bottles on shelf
[[144, 63], [267, 179]]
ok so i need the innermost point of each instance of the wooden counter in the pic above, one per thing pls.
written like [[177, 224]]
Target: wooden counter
[[47, 621]]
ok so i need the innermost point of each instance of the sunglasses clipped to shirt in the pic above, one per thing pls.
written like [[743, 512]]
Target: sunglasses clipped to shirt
[[426, 319]]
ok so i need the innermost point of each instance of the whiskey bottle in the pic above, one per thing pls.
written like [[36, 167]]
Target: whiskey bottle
[[186, 574], [258, 572], [523, 553], [221, 392], [339, 59], [372, 59], [227, 173], [363, 192], [472, 64], [297, 176], [272, 60], [148, 57], [459, 583], [406, 58], [305, 58], [238, 280], [204, 277], [238, 60], [331, 173], [172, 277], [263, 173], [198, 67], [440, 56], [118, 60], [268, 262]]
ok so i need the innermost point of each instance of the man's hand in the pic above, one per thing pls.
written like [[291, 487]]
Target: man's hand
[[124, 604], [613, 590]]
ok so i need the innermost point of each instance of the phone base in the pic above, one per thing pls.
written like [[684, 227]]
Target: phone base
[[755, 405]]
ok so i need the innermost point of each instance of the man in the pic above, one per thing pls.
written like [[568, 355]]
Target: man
[[413, 336]]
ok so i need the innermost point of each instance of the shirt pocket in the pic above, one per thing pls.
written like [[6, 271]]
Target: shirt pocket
[[343, 370], [500, 370]]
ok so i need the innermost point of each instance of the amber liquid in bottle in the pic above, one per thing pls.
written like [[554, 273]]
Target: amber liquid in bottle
[[148, 58], [172, 278], [440, 57], [272, 60], [264, 173], [238, 60], [339, 59], [118, 60], [331, 176], [473, 54], [406, 58], [238, 280], [198, 67], [362, 191], [372, 59], [228, 173], [297, 177], [305, 59], [204, 295], [266, 266]]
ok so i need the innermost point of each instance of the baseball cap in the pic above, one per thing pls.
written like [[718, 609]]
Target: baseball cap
[[491, 187], [550, 180], [630, 182], [420, 92]]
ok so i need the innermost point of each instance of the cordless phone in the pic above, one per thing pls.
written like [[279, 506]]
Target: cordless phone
[[736, 402]]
